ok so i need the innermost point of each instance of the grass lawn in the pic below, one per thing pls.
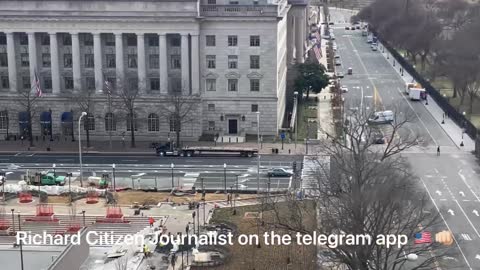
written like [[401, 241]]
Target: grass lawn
[[266, 257], [307, 110]]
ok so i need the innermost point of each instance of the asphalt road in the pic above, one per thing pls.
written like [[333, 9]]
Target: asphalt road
[[452, 180], [375, 85]]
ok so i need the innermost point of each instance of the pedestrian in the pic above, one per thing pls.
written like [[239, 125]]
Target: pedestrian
[[438, 150], [151, 221]]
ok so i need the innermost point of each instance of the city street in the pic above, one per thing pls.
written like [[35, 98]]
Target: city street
[[452, 180]]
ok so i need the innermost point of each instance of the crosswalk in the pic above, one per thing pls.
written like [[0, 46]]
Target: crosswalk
[[132, 225]]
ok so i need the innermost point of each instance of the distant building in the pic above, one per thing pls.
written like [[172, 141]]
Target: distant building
[[230, 56]]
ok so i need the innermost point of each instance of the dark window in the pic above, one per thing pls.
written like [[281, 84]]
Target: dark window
[[211, 61], [232, 61], [175, 61], [68, 83], [254, 107], [110, 123], [255, 85], [232, 41], [23, 39], [3, 60], [24, 61], [3, 39], [154, 61], [112, 81], [254, 41], [133, 83], [212, 2], [46, 60], [110, 60], [89, 122], [90, 83], [233, 2], [67, 40], [47, 83], [109, 40], [211, 84], [232, 84], [5, 82], [254, 61], [175, 41], [132, 60], [153, 41], [211, 107], [3, 120], [210, 41], [89, 60], [88, 40], [153, 122], [45, 39], [131, 40], [26, 83], [154, 84], [67, 60]]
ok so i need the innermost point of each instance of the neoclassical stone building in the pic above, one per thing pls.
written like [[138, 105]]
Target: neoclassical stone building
[[229, 56]]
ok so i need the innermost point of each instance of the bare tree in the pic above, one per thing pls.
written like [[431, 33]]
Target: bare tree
[[127, 96], [28, 103], [179, 110], [360, 188], [85, 102]]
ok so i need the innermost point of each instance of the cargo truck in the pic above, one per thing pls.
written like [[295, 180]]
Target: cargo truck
[[47, 179], [167, 150]]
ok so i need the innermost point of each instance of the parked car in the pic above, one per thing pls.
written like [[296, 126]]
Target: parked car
[[338, 62], [350, 71], [347, 27], [344, 89], [382, 117], [279, 172], [331, 23], [358, 27], [340, 74], [337, 56]]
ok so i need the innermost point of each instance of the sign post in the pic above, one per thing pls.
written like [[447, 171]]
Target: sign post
[[282, 135]]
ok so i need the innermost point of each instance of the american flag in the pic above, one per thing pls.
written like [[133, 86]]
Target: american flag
[[36, 83], [318, 52], [423, 238]]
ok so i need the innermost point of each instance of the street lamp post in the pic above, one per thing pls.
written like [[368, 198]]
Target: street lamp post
[[173, 184], [80, 146], [258, 153], [69, 186], [113, 174], [83, 214], [54, 172], [235, 196], [463, 129], [225, 178], [3, 178], [21, 242], [295, 104], [13, 220]]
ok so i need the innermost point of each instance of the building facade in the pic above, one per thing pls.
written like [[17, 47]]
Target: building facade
[[228, 57]]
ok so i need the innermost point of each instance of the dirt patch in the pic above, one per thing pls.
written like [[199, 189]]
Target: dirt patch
[[264, 257], [153, 198], [58, 199]]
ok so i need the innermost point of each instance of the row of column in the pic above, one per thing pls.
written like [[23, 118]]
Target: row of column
[[186, 72]]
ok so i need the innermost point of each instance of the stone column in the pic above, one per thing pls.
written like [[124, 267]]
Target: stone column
[[32, 56], [54, 59], [119, 61], [162, 45], [142, 73], [300, 35], [185, 65], [97, 51], [195, 65], [290, 37], [77, 73], [12, 63]]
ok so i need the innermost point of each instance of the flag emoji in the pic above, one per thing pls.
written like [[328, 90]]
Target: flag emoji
[[423, 238]]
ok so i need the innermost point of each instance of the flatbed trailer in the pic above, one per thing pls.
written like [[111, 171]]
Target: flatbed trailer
[[202, 150]]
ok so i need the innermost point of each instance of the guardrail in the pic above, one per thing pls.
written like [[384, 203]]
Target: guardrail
[[239, 10]]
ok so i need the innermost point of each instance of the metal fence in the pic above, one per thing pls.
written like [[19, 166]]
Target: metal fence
[[448, 109]]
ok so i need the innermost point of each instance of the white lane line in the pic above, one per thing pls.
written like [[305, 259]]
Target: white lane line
[[469, 187], [361, 100], [468, 219], [448, 227], [416, 114]]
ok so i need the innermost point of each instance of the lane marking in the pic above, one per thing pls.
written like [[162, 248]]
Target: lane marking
[[448, 227], [468, 219], [469, 187]]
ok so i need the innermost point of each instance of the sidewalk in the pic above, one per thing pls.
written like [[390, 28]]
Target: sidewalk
[[142, 148], [450, 127]]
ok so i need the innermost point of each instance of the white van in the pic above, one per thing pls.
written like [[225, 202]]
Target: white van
[[381, 117]]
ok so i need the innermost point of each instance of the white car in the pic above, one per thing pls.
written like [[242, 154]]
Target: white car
[[344, 89]]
